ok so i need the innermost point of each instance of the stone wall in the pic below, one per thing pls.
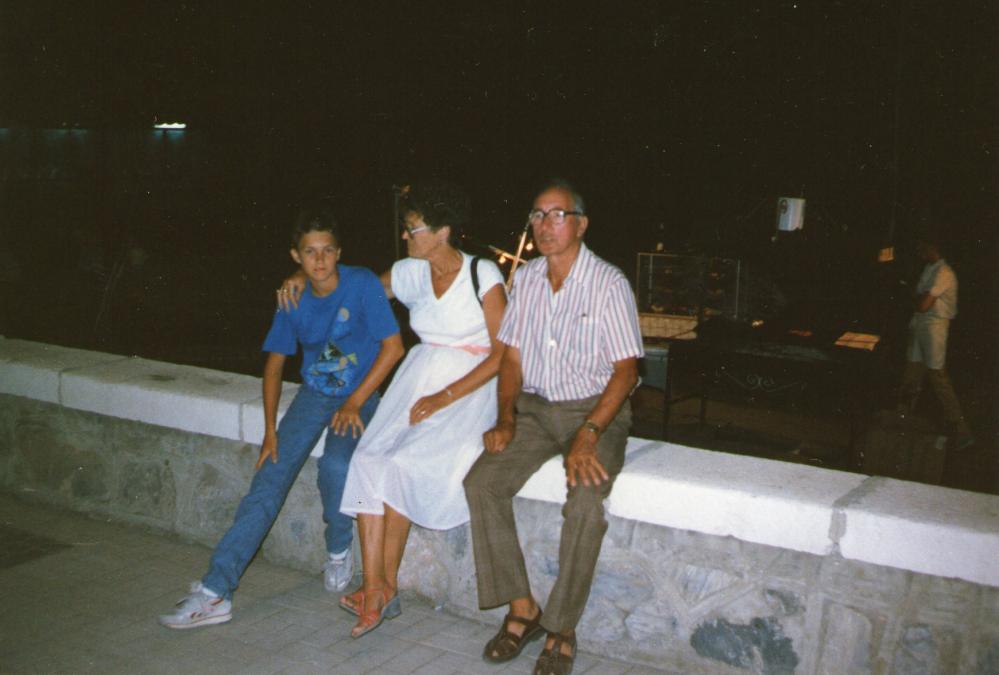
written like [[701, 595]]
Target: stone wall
[[712, 564]]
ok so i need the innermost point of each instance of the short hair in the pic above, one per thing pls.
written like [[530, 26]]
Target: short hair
[[557, 183], [440, 203], [316, 216]]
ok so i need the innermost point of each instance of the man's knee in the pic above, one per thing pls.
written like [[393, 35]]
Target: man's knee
[[585, 503], [486, 477], [477, 478]]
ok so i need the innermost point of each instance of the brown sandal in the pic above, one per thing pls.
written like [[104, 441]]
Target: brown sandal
[[552, 661], [507, 645]]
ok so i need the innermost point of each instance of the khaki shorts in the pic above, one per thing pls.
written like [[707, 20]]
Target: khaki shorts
[[928, 341]]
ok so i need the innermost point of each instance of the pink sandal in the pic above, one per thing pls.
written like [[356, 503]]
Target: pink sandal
[[371, 617]]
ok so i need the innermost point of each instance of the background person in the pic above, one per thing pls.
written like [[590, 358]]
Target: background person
[[926, 353]]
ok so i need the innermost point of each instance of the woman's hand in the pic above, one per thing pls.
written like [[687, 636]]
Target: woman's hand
[[291, 290], [348, 417], [428, 405]]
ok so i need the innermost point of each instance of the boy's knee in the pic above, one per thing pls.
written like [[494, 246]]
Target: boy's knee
[[332, 467]]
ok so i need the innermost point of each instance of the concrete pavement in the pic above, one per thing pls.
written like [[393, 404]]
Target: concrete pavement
[[82, 595]]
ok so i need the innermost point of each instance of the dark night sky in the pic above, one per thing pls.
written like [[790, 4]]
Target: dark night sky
[[687, 113], [681, 121]]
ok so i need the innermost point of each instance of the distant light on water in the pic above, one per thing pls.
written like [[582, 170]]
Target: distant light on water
[[171, 126]]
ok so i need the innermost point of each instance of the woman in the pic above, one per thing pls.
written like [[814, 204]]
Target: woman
[[427, 432]]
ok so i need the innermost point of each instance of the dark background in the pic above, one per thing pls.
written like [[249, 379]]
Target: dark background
[[681, 122]]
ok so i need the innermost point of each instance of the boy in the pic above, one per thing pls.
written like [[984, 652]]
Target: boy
[[350, 342]]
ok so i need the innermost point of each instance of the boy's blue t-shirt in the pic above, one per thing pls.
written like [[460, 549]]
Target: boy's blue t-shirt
[[340, 333]]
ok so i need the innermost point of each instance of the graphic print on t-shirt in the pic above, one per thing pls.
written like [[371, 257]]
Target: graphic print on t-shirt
[[334, 371]]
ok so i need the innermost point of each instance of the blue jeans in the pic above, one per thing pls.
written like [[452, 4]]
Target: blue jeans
[[298, 432]]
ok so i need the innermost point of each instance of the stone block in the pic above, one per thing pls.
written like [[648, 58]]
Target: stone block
[[623, 581], [146, 488], [942, 601], [759, 645], [9, 406], [603, 621], [146, 440], [206, 511], [699, 585], [790, 505], [182, 397], [880, 587], [425, 570], [927, 529], [61, 454], [989, 607], [653, 625], [987, 662], [32, 369], [932, 650], [847, 641]]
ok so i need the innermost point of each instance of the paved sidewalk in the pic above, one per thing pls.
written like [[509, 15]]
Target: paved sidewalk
[[82, 595]]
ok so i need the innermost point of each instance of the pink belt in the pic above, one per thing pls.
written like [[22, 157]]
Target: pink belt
[[471, 349]]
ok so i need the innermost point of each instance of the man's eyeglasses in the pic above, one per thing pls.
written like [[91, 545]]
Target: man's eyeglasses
[[537, 216]]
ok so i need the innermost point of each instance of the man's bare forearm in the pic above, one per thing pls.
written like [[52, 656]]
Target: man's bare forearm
[[617, 391], [508, 388]]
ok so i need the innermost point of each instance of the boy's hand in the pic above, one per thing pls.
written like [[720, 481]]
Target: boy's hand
[[291, 291], [268, 449], [348, 417], [428, 405]]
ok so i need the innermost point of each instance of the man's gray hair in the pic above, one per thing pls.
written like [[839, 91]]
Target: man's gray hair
[[561, 184]]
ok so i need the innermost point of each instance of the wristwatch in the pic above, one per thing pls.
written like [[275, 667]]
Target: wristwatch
[[590, 426]]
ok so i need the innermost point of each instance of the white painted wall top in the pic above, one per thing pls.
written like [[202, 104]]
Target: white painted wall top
[[926, 529]]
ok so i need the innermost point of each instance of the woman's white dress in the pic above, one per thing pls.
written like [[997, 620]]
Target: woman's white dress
[[418, 469]]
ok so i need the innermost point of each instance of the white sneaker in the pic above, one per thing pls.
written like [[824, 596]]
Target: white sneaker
[[338, 572], [198, 609]]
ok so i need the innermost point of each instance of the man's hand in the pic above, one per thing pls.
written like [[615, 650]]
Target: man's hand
[[291, 291], [428, 405], [497, 438], [581, 464], [268, 449], [348, 417]]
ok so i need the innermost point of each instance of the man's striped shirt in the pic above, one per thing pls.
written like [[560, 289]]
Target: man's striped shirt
[[569, 340]]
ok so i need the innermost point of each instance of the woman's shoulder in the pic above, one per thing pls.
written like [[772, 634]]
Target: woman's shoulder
[[408, 266], [487, 270]]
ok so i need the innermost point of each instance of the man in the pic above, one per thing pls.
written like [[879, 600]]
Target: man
[[570, 362], [935, 306]]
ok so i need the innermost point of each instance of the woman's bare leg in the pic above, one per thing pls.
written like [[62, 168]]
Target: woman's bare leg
[[371, 529], [396, 532]]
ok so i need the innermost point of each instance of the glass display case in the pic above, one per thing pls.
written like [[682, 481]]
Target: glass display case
[[675, 292]]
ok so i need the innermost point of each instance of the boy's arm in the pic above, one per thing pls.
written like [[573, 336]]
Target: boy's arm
[[273, 372], [349, 414]]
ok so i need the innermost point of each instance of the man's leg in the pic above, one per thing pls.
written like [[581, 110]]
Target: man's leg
[[911, 386], [585, 524], [490, 486], [944, 391], [298, 432]]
